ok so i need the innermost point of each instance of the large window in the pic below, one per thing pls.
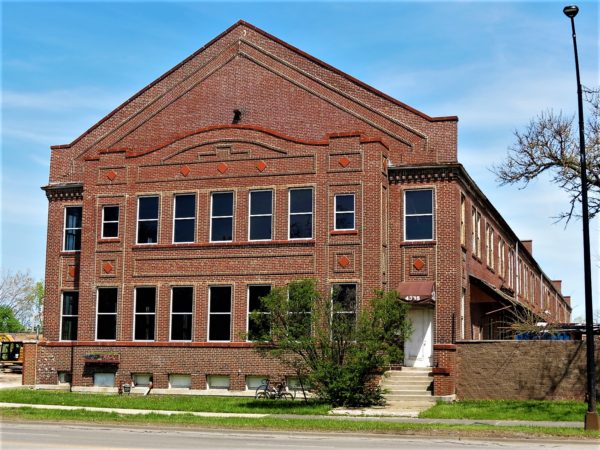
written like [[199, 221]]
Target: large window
[[70, 315], [219, 317], [221, 217], [145, 313], [344, 310], [182, 306], [110, 222], [489, 245], [301, 213], [184, 219], [147, 232], [476, 232], [463, 218], [501, 258], [106, 319], [258, 317], [299, 307], [418, 215], [261, 215], [72, 238], [344, 212]]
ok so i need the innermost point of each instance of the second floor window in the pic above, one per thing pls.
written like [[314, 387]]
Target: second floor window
[[489, 245], [147, 232], [344, 212], [145, 313], [184, 220], [418, 215], [72, 238], [110, 222], [261, 215], [182, 304], [301, 214], [476, 232], [221, 217], [106, 320], [70, 316]]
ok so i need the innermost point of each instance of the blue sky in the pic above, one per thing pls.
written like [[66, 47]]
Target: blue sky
[[494, 64]]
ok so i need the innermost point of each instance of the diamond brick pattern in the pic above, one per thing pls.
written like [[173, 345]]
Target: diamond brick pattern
[[107, 267], [111, 175], [419, 264], [344, 261], [261, 166], [344, 161], [222, 167], [185, 171]]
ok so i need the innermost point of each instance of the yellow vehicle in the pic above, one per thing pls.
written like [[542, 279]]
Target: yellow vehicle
[[11, 352]]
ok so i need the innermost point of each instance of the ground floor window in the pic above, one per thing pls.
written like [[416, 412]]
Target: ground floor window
[[182, 305], [258, 317], [343, 319], [70, 316], [219, 320]]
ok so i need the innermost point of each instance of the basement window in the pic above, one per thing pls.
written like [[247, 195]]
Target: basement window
[[220, 382], [64, 377], [254, 381], [141, 379], [179, 381], [104, 379]]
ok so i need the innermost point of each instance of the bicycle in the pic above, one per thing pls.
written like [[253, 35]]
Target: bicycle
[[267, 390]]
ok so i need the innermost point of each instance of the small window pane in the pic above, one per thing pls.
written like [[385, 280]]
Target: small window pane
[[261, 227], [220, 299], [70, 303], [107, 300], [107, 326], [185, 206], [69, 329], [419, 227], [111, 213], [300, 200], [144, 327], [222, 204], [110, 230], [255, 293], [344, 203], [183, 298], [344, 221], [222, 229], [145, 300], [344, 297], [181, 327], [219, 327], [261, 202], [148, 232], [184, 230], [300, 226], [419, 202], [148, 208], [73, 217]]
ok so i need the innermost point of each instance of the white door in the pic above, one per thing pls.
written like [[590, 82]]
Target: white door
[[418, 350]]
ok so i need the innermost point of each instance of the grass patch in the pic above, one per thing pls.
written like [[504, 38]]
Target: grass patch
[[536, 410], [293, 424], [164, 402]]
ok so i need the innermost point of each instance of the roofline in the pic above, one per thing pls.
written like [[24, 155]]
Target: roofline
[[279, 41]]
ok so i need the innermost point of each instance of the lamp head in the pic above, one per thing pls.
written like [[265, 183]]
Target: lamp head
[[571, 11]]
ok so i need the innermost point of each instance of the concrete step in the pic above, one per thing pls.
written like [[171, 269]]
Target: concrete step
[[404, 389], [407, 397], [407, 378], [423, 382]]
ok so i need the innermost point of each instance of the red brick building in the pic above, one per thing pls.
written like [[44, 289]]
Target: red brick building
[[248, 165]]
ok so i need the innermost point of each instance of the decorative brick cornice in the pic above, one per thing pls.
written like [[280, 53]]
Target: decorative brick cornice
[[409, 174], [64, 191]]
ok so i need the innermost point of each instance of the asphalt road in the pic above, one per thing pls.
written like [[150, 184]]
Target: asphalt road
[[33, 436]]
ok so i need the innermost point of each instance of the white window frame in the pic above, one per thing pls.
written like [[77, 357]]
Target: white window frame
[[250, 215], [71, 228], [230, 313], [191, 313], [489, 245], [432, 215], [104, 221], [355, 312], [98, 313], [175, 219], [232, 216], [312, 213], [463, 219], [62, 315], [135, 313], [138, 220], [476, 232], [336, 212], [501, 257], [248, 308]]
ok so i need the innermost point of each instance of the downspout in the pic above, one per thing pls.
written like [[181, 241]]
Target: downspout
[[517, 269]]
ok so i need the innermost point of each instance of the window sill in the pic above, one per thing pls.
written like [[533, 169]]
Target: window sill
[[424, 242], [109, 240], [225, 244], [343, 232], [70, 252]]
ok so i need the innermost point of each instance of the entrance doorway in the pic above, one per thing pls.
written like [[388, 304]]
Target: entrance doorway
[[418, 350]]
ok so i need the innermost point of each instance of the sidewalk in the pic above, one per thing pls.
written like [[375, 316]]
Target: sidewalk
[[338, 416]]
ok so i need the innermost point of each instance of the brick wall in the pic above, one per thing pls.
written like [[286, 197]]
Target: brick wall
[[523, 370]]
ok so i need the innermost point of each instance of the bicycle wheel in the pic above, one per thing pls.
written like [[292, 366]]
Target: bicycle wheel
[[286, 396]]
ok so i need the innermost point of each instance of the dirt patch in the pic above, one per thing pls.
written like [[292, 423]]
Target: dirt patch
[[9, 379]]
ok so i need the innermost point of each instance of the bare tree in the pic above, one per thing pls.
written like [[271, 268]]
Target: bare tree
[[21, 293], [550, 143]]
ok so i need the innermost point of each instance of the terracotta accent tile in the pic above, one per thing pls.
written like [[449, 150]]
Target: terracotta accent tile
[[111, 175], [185, 171], [344, 261], [261, 165], [107, 267], [344, 161], [222, 167], [418, 264]]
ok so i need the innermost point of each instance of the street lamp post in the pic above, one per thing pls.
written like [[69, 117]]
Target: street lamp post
[[591, 418]]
